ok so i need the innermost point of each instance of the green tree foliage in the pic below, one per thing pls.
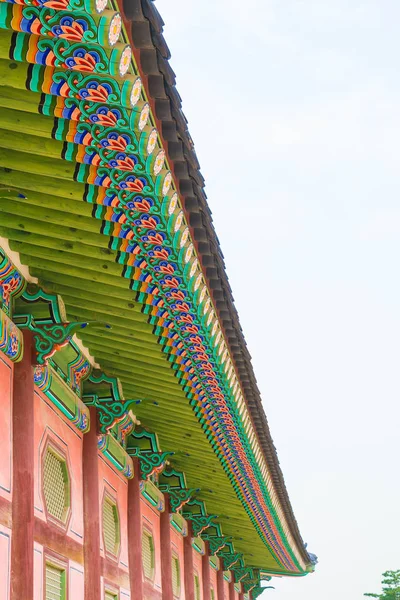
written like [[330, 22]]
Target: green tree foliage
[[390, 586]]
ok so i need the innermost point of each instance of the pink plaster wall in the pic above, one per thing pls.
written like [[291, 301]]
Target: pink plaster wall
[[177, 549], [151, 522], [226, 590], [51, 426], [116, 486], [5, 557], [6, 377], [197, 568], [213, 581]]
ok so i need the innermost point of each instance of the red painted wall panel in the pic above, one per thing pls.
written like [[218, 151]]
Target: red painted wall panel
[[6, 377], [51, 426], [177, 549], [213, 578], [115, 571], [151, 522], [197, 567]]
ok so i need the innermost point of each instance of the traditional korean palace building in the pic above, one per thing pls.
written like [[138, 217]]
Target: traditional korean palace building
[[135, 456]]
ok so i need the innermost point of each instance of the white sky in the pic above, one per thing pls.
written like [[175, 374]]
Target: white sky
[[294, 108]]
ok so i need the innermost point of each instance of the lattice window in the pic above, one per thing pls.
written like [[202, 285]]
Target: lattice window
[[111, 531], [176, 577], [196, 587], [148, 554], [55, 583], [56, 488]]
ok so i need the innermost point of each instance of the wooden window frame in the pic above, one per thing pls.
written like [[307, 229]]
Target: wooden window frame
[[50, 445], [175, 558], [146, 530], [59, 562], [108, 496]]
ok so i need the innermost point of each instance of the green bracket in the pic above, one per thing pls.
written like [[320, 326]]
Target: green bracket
[[199, 522], [151, 463], [178, 496], [48, 338], [105, 393], [216, 543], [229, 559]]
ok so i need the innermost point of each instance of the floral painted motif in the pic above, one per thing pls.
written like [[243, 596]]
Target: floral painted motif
[[152, 141], [101, 5], [167, 183], [81, 60], [96, 92], [135, 96], [159, 162], [70, 29], [115, 29], [125, 61], [144, 115]]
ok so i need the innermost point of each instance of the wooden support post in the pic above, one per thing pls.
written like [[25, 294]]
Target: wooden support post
[[91, 511], [220, 584], [166, 552], [232, 588], [23, 473], [206, 574], [135, 534], [188, 564], [241, 596]]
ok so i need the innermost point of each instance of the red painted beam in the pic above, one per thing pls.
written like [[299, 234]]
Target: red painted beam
[[91, 511], [23, 470]]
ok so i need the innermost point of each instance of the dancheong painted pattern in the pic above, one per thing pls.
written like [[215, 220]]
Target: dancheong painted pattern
[[91, 205]]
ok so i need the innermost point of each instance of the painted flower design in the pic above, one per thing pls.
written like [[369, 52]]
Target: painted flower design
[[8, 286], [115, 29], [147, 222], [104, 117], [125, 61], [160, 253], [172, 282], [165, 267], [167, 183], [173, 203], [159, 162], [101, 5], [144, 115], [188, 256], [70, 29], [178, 222], [141, 204], [184, 238], [82, 60], [154, 237], [152, 141], [115, 141], [134, 184], [123, 162], [96, 92], [135, 95], [57, 4]]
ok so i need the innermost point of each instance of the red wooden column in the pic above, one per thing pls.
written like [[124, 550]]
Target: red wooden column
[[232, 588], [188, 564], [220, 583], [166, 552], [23, 469], [206, 574], [91, 511], [135, 534], [241, 596]]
